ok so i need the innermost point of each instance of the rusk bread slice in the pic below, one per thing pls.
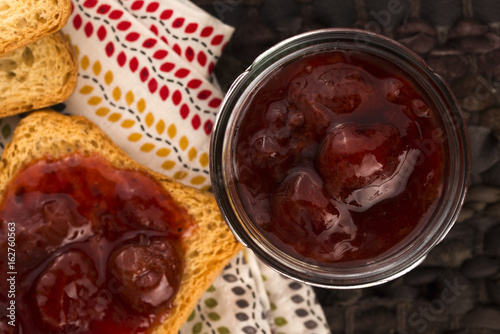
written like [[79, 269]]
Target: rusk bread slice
[[37, 75], [208, 249], [25, 21]]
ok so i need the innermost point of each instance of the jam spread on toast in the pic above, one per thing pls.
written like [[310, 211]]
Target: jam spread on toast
[[98, 249]]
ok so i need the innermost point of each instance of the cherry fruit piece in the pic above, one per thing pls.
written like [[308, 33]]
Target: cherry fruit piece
[[360, 164], [302, 208], [66, 293], [146, 275]]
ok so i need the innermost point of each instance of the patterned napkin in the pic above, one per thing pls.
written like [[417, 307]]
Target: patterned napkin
[[146, 79]]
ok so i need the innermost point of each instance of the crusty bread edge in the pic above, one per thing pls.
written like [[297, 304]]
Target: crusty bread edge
[[68, 89], [48, 132], [65, 11]]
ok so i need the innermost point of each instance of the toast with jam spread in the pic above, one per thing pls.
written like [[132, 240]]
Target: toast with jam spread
[[64, 280]]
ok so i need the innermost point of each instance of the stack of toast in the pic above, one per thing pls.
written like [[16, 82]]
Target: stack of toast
[[38, 67]]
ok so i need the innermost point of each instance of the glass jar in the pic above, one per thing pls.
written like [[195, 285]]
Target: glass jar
[[237, 106]]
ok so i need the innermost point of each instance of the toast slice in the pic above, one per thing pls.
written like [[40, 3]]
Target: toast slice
[[208, 248], [25, 21], [37, 75]]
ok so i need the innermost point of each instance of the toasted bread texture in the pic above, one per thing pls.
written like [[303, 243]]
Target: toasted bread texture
[[207, 250], [25, 21], [37, 75]]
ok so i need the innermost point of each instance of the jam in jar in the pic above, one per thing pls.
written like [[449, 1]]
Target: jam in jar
[[340, 158], [98, 249], [330, 158]]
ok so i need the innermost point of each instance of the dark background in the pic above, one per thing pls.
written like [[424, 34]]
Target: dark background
[[457, 288]]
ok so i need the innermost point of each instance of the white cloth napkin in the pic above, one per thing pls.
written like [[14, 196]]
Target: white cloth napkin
[[145, 79]]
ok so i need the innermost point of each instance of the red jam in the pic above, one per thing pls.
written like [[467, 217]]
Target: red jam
[[97, 248], [339, 158]]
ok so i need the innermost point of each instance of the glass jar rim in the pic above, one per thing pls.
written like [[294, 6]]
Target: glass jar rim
[[221, 160]]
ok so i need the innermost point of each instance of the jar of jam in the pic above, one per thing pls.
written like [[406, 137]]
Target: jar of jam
[[340, 158]]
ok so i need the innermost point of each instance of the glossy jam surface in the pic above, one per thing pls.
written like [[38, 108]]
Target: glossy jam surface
[[97, 248], [339, 158]]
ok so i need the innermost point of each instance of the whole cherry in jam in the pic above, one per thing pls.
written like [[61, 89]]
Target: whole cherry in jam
[[332, 159], [147, 275], [301, 208], [338, 87], [362, 164], [66, 291], [53, 221]]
